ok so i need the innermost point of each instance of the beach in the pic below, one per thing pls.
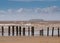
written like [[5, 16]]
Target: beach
[[26, 39]]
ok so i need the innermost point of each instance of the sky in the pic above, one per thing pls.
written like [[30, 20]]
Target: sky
[[29, 9]]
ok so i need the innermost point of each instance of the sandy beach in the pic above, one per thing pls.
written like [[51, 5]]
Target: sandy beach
[[11, 39]]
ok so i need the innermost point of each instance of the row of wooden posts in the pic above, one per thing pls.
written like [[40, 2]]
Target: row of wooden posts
[[18, 31]]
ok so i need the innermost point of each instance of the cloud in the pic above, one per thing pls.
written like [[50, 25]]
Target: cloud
[[33, 0], [48, 13]]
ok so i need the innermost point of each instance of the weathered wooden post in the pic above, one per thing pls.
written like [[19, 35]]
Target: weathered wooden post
[[52, 31], [16, 30], [28, 31], [58, 32], [8, 30], [2, 31], [20, 30], [47, 31], [24, 31], [12, 30], [32, 31], [41, 32]]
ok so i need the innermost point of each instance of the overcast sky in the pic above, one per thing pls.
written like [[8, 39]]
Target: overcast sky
[[29, 9]]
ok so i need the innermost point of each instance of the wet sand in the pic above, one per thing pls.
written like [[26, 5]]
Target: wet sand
[[5, 39]]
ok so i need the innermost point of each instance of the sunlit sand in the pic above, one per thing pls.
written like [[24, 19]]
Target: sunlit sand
[[19, 39]]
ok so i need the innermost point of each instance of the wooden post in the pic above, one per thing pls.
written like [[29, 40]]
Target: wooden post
[[41, 32], [28, 31], [16, 30], [52, 31], [32, 31], [20, 30], [2, 31], [58, 32], [9, 31], [23, 31], [47, 31], [12, 30]]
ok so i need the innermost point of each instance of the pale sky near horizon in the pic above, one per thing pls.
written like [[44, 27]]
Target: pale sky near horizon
[[29, 9]]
